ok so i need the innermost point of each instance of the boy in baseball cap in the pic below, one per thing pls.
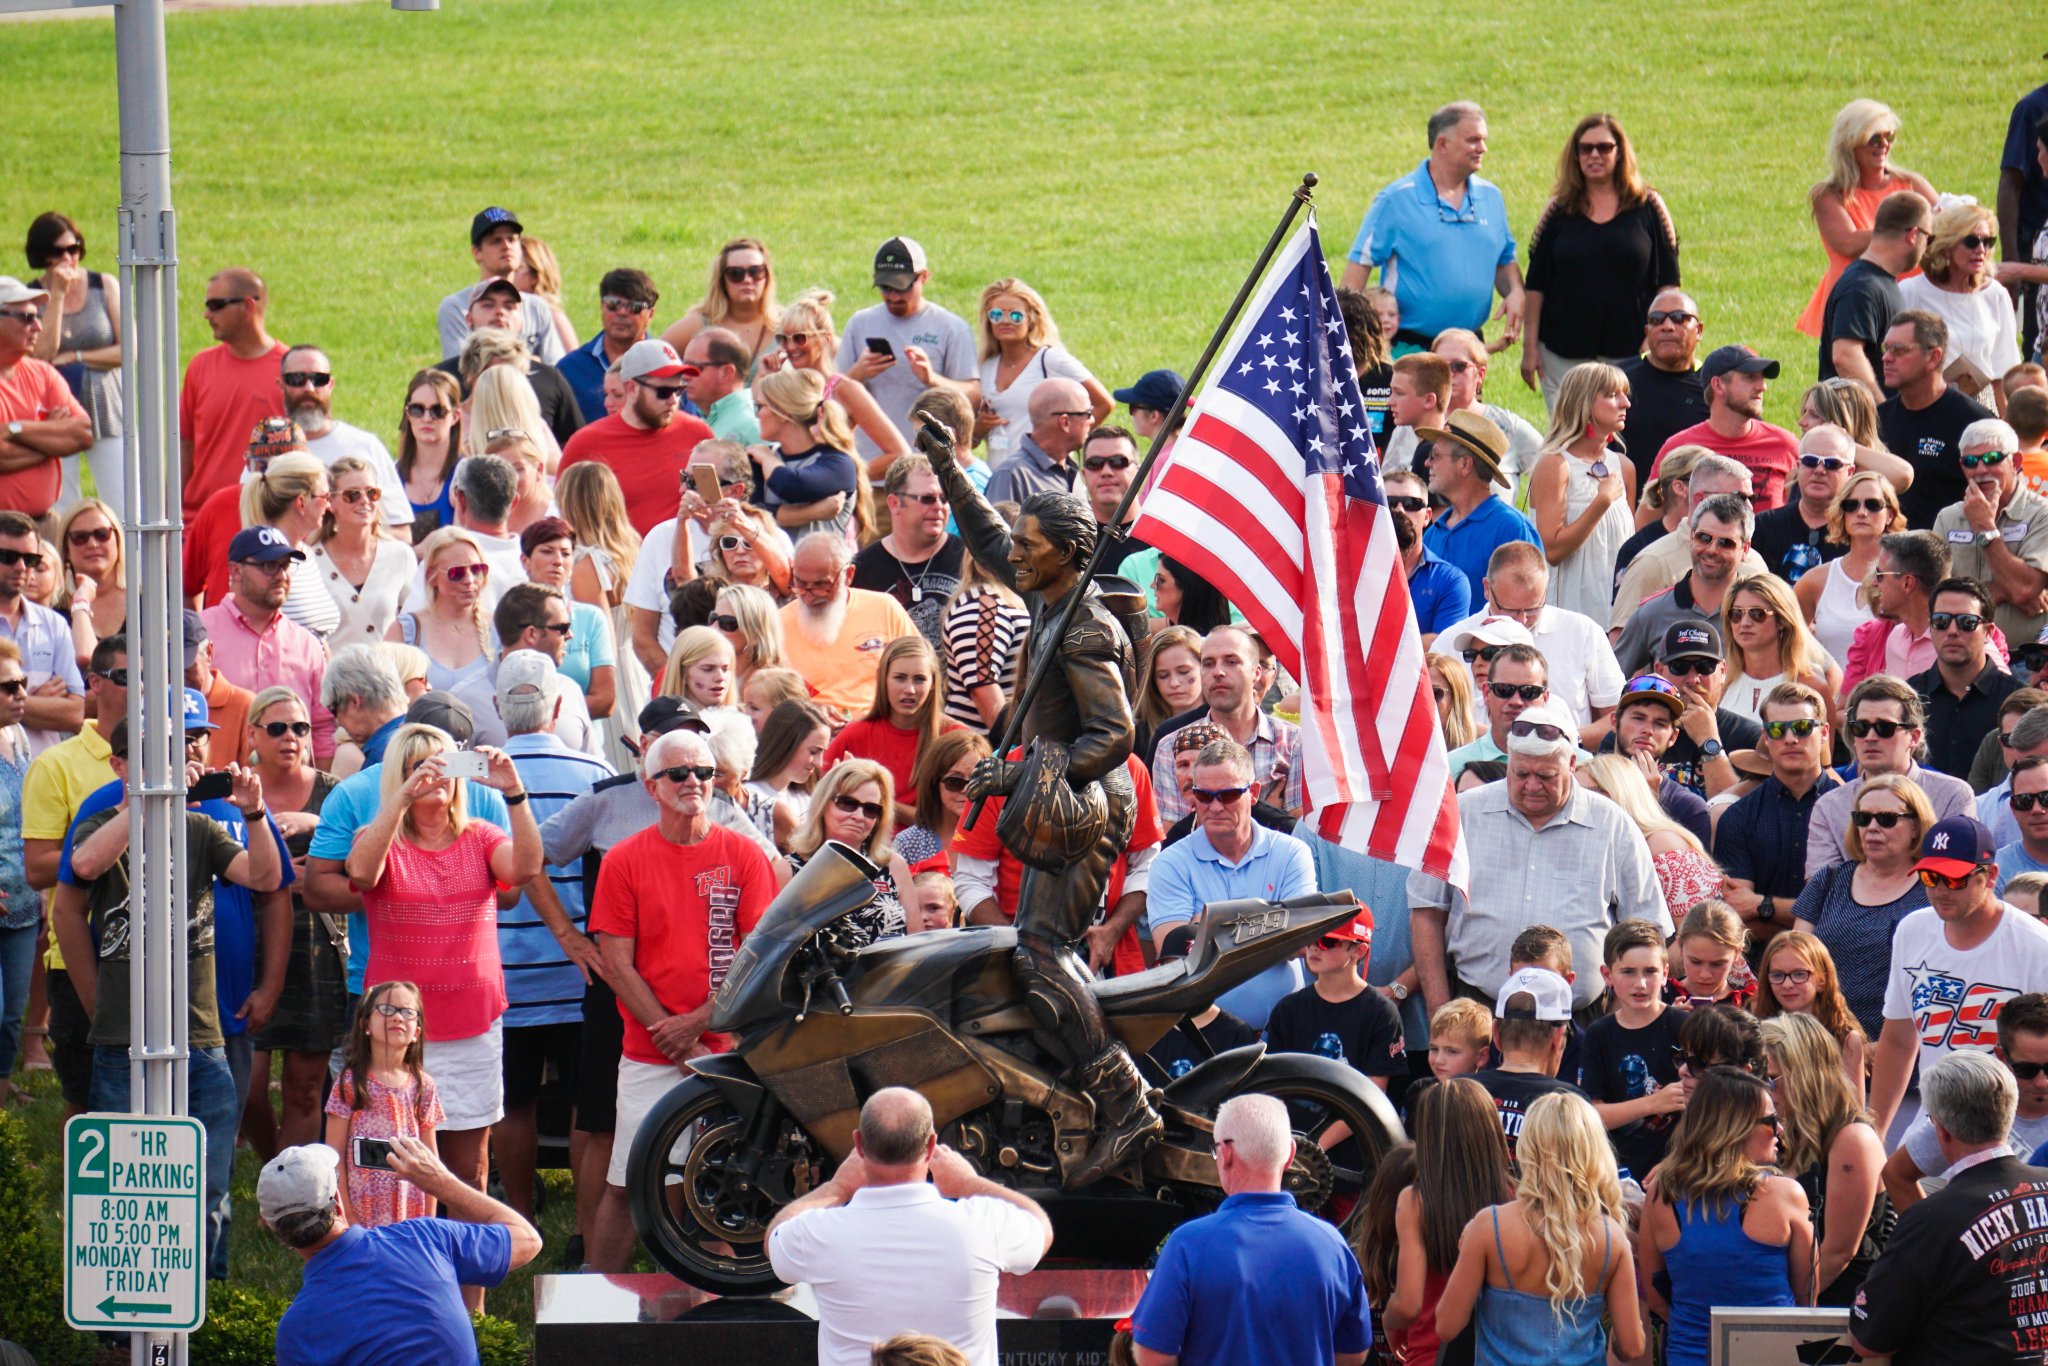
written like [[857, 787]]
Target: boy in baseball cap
[[1337, 1015]]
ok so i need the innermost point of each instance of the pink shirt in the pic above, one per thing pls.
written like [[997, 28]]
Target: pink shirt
[[286, 655], [434, 923], [1906, 654]]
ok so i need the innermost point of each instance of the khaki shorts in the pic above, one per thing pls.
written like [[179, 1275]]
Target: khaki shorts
[[641, 1084]]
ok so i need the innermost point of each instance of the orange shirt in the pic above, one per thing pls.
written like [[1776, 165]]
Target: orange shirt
[[2034, 470], [842, 674], [33, 392], [222, 400]]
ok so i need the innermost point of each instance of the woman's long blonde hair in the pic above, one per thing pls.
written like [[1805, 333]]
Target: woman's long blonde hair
[[1951, 225], [1456, 713], [1707, 1162], [1853, 126], [1799, 654], [503, 401], [846, 776], [1848, 405], [285, 480], [1039, 329], [1584, 385], [760, 622], [411, 746], [1622, 783], [931, 716], [716, 305], [430, 550], [348, 464], [693, 645], [1838, 517], [1568, 1183], [591, 500], [811, 311], [799, 396], [1813, 1092]]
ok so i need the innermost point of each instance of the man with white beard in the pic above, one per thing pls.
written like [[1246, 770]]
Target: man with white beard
[[834, 633], [306, 379]]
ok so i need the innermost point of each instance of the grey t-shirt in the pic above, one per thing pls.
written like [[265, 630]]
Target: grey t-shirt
[[1921, 1146], [939, 334]]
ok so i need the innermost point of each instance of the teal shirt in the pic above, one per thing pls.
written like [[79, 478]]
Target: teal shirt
[[732, 418]]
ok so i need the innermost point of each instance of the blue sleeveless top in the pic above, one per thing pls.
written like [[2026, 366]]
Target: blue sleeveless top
[[1520, 1328], [1715, 1262]]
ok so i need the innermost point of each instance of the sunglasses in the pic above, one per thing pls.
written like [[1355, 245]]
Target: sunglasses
[[1459, 367], [1976, 241], [731, 542], [1096, 464], [560, 628], [953, 782], [219, 305], [664, 392], [1001, 315], [307, 379], [1886, 819], [277, 730], [1776, 1124], [99, 535], [682, 773], [1797, 977], [853, 806], [1331, 941], [370, 496], [1864, 505], [1218, 796], [68, 249], [117, 677], [736, 274], [1407, 502], [436, 411], [1883, 730], [1706, 539], [1687, 668], [27, 317], [1755, 616], [1692, 1062], [2027, 801], [1965, 622], [1439, 694], [783, 339], [409, 1014], [729, 624], [1800, 729], [1677, 317], [14, 687], [1988, 460], [1930, 878], [1830, 463], [930, 500], [32, 558], [1542, 730], [457, 573], [1597, 149], [612, 303], [1528, 692], [1483, 652], [2027, 1071]]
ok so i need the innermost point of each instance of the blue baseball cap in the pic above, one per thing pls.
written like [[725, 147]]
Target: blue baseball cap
[[481, 225], [1956, 847], [261, 545], [1155, 389], [197, 717]]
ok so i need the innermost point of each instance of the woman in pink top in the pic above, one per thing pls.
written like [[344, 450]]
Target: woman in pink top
[[429, 875], [1860, 175]]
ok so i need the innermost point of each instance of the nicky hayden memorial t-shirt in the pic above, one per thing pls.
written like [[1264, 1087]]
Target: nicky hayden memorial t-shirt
[[1953, 995]]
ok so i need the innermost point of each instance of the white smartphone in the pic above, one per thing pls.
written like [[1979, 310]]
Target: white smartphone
[[462, 763]]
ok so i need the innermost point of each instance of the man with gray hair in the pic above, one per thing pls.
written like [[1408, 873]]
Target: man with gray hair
[[1557, 855], [1958, 1281], [1043, 459], [483, 492], [1439, 237], [1664, 561], [887, 1251], [1200, 1308], [1721, 527], [1998, 534], [363, 690], [833, 633]]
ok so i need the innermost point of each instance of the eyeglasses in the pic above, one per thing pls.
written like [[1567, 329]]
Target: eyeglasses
[[1898, 348], [409, 1014], [682, 773], [1217, 796], [117, 677], [1096, 464], [1084, 412], [1755, 616], [2027, 1071], [307, 379], [825, 585], [1884, 819], [665, 393], [32, 558], [1797, 977], [1930, 878], [853, 806], [436, 411], [277, 730], [269, 569], [2027, 801], [1884, 730], [1542, 730], [1687, 668], [458, 573], [96, 535], [1483, 652], [1830, 463], [1863, 505], [953, 782], [1965, 622], [612, 303], [1528, 692], [370, 496], [219, 305], [1407, 502], [1597, 149], [1706, 540], [737, 274], [1459, 367], [783, 339], [1977, 241], [1525, 615], [1012, 315], [729, 624], [930, 500], [13, 687], [1677, 317], [1800, 729]]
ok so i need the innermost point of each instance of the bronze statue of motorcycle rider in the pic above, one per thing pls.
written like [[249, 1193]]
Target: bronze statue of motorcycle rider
[[1069, 802]]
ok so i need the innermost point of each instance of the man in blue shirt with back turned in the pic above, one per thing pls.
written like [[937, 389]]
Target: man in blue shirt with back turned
[[1308, 1303]]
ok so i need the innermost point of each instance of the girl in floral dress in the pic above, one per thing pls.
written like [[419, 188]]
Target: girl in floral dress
[[384, 1091]]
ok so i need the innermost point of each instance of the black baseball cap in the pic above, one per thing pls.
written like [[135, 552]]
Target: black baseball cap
[[496, 285], [664, 714], [1728, 359], [1693, 639], [446, 711], [493, 217]]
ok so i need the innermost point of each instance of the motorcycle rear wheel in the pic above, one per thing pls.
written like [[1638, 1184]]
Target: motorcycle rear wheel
[[1318, 1094], [698, 1212]]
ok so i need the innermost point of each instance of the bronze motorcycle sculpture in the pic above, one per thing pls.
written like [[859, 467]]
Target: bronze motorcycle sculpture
[[818, 1027]]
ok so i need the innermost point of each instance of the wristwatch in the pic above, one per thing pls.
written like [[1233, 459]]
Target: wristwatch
[[1712, 749], [1767, 910], [1397, 991], [1984, 538]]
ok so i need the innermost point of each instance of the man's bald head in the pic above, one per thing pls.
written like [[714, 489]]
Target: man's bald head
[[1055, 396], [895, 1128], [1828, 439], [245, 282]]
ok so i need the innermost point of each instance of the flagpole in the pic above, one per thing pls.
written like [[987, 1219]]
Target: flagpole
[[1304, 194]]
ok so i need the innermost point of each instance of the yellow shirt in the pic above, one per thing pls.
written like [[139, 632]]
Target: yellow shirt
[[56, 785], [843, 673]]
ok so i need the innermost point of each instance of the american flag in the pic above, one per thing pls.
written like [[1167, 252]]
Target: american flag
[[1273, 494]]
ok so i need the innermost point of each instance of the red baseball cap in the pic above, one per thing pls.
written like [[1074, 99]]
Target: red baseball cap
[[1358, 931]]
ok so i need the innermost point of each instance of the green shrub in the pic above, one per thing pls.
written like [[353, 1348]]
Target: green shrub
[[499, 1342], [32, 1309], [240, 1327]]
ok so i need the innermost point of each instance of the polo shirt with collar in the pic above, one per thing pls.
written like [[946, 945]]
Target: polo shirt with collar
[[46, 652], [1957, 725], [732, 418], [1441, 593], [283, 654], [1906, 654], [903, 1258], [1479, 751], [1662, 563], [1762, 838], [2023, 526], [1438, 259], [1275, 745], [1029, 469], [584, 369], [1640, 639], [1190, 874], [1827, 836], [1467, 543]]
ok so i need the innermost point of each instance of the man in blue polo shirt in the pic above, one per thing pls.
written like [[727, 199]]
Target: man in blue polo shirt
[[1439, 237], [1308, 1303], [1229, 856], [1464, 459], [1441, 593]]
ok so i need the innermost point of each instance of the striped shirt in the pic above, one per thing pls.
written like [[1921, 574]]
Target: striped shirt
[[983, 634], [542, 986]]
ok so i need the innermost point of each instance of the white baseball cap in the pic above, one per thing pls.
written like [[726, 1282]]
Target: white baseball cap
[[13, 291], [523, 673], [1489, 631], [652, 359], [298, 1180], [1551, 993]]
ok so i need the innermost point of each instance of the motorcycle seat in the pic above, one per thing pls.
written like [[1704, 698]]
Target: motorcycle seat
[[1118, 989]]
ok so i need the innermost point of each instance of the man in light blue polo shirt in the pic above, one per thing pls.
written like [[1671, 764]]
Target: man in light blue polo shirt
[[1439, 237], [1229, 856]]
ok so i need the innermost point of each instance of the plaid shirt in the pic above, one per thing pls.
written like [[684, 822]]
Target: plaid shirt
[[1275, 748]]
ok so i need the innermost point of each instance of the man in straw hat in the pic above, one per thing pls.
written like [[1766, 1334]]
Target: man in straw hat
[[1463, 459]]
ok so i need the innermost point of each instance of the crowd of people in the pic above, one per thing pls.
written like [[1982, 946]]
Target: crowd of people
[[510, 723]]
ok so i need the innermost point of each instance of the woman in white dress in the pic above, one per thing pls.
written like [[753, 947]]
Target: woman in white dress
[[1020, 349], [1768, 644], [292, 495], [607, 548], [1958, 284], [1582, 488], [1831, 597], [364, 570]]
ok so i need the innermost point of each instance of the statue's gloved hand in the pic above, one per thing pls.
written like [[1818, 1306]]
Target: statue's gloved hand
[[992, 777]]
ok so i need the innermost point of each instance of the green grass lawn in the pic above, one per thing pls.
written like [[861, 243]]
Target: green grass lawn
[[1127, 160]]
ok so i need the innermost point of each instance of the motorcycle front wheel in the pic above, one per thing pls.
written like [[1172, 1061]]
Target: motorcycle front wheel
[[701, 1195]]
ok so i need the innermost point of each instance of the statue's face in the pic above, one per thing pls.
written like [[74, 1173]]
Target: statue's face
[[1040, 566]]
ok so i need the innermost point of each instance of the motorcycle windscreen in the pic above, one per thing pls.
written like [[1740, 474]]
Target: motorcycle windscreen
[[833, 882]]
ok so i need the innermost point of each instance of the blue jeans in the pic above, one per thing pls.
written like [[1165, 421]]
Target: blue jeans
[[17, 962], [210, 1090]]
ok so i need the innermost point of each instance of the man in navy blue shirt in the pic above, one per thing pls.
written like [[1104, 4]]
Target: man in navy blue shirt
[[392, 1293], [627, 298], [1441, 593], [1309, 1305], [1761, 841]]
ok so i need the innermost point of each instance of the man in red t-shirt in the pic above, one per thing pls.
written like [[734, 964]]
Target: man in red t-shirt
[[648, 441], [673, 904], [42, 423], [1735, 379], [228, 388]]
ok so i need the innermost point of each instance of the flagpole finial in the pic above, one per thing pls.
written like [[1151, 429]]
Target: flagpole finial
[[1308, 185]]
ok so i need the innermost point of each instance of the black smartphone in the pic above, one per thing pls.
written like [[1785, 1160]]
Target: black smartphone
[[211, 787], [880, 346], [373, 1154]]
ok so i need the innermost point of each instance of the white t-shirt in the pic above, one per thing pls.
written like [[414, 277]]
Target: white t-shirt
[[1925, 1149], [1982, 327], [904, 1259], [941, 335], [343, 440], [1583, 671], [1953, 995], [657, 553], [1013, 404]]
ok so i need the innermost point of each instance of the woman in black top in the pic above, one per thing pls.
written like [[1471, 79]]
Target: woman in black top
[[1601, 250]]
